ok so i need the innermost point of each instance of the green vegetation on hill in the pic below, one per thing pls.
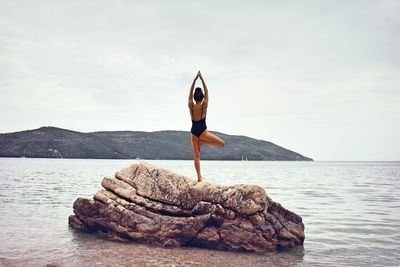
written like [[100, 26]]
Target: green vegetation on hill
[[53, 142]]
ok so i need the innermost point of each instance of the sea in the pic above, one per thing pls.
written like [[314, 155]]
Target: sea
[[351, 213]]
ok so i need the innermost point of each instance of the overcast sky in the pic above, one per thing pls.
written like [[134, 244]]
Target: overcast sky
[[321, 78]]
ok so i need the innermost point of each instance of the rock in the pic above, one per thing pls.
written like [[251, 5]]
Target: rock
[[154, 205]]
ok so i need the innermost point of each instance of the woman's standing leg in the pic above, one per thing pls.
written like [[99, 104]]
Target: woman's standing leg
[[196, 154]]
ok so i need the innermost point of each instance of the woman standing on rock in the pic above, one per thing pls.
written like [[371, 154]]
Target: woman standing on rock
[[200, 134]]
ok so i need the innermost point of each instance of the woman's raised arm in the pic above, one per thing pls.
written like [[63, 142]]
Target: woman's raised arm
[[190, 100], [205, 102]]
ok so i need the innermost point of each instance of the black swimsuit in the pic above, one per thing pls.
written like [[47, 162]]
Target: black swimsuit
[[198, 127]]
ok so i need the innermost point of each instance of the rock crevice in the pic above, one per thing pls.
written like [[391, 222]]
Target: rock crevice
[[154, 205]]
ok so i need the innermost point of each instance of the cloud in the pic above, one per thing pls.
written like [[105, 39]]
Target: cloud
[[289, 72]]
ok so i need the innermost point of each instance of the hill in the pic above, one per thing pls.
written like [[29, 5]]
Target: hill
[[53, 142]]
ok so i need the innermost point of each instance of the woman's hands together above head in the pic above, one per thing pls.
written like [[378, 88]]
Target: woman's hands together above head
[[199, 75]]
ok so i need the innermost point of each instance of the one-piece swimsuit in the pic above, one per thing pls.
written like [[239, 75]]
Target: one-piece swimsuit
[[198, 127]]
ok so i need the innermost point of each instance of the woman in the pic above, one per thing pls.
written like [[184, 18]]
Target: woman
[[200, 134]]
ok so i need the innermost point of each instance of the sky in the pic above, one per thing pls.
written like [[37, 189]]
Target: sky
[[321, 78]]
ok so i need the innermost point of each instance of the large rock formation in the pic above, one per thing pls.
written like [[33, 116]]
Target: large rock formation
[[153, 205]]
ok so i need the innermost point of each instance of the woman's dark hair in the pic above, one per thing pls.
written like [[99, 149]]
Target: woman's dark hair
[[198, 94]]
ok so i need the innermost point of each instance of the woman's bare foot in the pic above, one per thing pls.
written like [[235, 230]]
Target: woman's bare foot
[[199, 179]]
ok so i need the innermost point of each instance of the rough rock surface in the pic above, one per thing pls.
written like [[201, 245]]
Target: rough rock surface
[[154, 205]]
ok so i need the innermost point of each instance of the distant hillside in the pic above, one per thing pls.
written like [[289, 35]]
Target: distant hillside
[[53, 142]]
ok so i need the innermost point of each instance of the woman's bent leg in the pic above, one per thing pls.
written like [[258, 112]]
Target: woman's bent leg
[[211, 139], [196, 154]]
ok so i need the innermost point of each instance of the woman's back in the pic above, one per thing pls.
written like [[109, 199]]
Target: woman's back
[[199, 112]]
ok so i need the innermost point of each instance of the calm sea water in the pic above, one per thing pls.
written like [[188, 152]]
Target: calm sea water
[[351, 212]]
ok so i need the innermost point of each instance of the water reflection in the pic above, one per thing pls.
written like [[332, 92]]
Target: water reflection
[[91, 249]]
